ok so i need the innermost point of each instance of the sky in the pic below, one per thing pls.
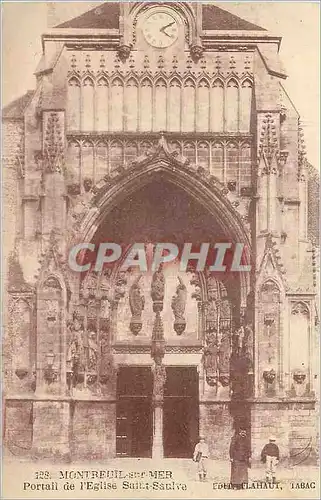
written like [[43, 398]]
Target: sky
[[297, 22]]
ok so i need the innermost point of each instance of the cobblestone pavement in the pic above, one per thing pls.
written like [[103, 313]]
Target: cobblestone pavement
[[181, 474]]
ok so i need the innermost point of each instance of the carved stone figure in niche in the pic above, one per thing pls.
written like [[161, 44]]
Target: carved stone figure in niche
[[224, 359], [159, 381], [92, 352], [137, 304], [241, 362], [104, 285], [89, 285], [178, 307], [210, 359], [106, 368], [212, 286], [158, 289], [76, 356], [211, 316], [119, 288]]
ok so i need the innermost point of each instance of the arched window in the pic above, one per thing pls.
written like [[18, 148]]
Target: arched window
[[131, 152], [116, 155], [189, 152], [73, 163], [73, 104], [245, 166], [231, 108], [232, 166], [102, 105], [117, 105], [131, 104], [174, 105], [87, 105], [87, 154], [146, 107], [188, 116], [245, 105], [217, 161], [101, 161], [160, 105], [217, 106], [203, 155], [203, 106]]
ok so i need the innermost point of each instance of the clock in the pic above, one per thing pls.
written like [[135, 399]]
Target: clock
[[160, 29]]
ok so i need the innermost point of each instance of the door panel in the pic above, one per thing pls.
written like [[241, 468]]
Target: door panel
[[181, 414], [134, 423]]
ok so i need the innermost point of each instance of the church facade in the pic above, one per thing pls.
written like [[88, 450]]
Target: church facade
[[155, 123]]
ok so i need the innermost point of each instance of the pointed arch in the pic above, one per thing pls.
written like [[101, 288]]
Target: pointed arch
[[131, 151], [232, 105], [217, 167], [102, 104], [73, 162], [203, 155], [101, 161], [116, 155], [188, 111], [87, 160], [87, 103], [232, 165], [189, 151], [217, 105], [174, 104], [246, 91], [203, 105], [131, 104], [73, 103], [160, 102], [245, 165], [117, 104], [146, 105], [210, 197]]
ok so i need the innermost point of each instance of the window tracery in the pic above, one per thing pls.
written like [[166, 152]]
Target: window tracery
[[228, 161], [131, 102]]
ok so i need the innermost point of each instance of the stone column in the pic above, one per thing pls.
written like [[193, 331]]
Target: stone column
[[157, 353], [158, 401]]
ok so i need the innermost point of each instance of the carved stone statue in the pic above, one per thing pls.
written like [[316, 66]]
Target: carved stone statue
[[158, 290], [92, 352], [211, 316], [76, 358], [89, 285], [210, 359], [178, 307], [158, 285], [137, 304]]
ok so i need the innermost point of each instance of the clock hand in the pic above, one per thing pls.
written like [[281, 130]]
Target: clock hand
[[164, 28]]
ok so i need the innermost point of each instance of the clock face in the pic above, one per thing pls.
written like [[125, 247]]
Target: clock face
[[160, 29]]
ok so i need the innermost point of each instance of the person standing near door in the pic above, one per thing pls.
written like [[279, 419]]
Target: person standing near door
[[200, 456]]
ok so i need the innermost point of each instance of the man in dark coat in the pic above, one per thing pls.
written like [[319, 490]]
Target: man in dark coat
[[270, 456], [240, 456]]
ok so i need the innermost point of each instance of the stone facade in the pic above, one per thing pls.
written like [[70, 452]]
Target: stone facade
[[129, 137]]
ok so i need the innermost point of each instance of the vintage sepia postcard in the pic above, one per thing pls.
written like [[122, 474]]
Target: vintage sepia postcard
[[160, 250]]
